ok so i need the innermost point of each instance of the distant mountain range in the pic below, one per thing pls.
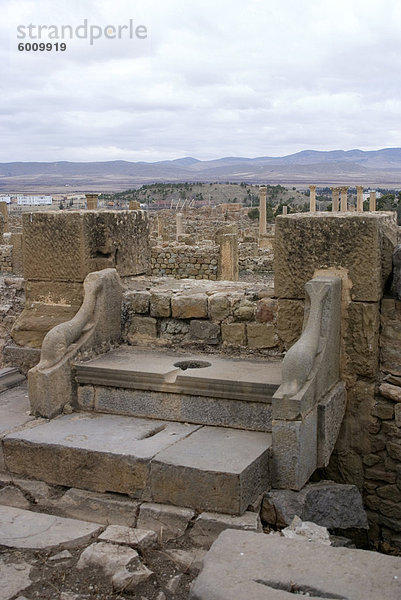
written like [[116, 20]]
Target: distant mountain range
[[378, 168]]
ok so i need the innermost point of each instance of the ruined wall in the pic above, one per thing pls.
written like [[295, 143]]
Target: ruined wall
[[60, 249], [358, 248], [213, 316], [382, 485], [6, 258], [182, 261], [12, 299]]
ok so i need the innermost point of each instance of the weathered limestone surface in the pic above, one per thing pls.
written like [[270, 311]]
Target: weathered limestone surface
[[396, 285], [60, 249], [14, 413], [98, 507], [223, 412], [168, 522], [82, 450], [208, 526], [305, 243], [62, 246], [96, 325], [14, 579], [244, 565], [24, 529], [214, 469], [290, 318]]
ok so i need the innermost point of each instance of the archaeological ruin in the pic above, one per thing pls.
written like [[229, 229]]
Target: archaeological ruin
[[187, 374]]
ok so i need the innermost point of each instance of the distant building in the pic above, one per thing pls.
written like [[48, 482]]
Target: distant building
[[33, 200], [6, 199]]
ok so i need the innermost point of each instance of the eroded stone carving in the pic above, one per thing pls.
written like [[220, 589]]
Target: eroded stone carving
[[96, 325], [310, 374]]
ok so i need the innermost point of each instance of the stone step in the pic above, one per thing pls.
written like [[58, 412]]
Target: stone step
[[200, 389], [204, 468]]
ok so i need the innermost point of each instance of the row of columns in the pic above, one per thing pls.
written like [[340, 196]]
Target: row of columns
[[343, 207]]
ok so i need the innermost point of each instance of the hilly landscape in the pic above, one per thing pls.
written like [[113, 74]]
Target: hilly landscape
[[379, 168]]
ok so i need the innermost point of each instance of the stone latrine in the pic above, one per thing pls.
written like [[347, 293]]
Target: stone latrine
[[60, 249], [358, 248]]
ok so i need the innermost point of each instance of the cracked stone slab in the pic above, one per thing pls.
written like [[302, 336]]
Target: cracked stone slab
[[244, 566], [14, 578], [103, 453], [25, 529]]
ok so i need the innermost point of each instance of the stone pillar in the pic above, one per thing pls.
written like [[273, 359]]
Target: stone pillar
[[335, 204], [262, 210], [372, 201], [91, 201], [228, 257], [302, 251], [312, 201], [285, 210], [134, 205], [4, 212], [359, 198], [179, 220], [344, 199]]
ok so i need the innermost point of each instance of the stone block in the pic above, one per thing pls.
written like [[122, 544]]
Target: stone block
[[169, 522], [142, 328], [244, 565], [290, 318], [205, 331], [160, 304], [362, 338], [396, 285], [18, 529], [243, 309], [361, 243], [234, 333], [294, 451], [215, 469], [397, 414], [266, 310], [208, 526], [81, 451], [66, 246], [36, 321], [192, 306], [59, 293], [128, 536], [103, 508], [219, 307], [138, 301], [334, 505], [393, 392], [331, 412], [110, 558], [86, 397], [261, 335]]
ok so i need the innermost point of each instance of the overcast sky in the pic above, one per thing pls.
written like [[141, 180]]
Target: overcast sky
[[211, 79]]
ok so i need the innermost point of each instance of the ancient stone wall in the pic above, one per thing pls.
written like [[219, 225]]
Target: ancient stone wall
[[6, 258], [358, 248], [60, 249], [239, 317], [182, 261], [382, 465], [12, 303]]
